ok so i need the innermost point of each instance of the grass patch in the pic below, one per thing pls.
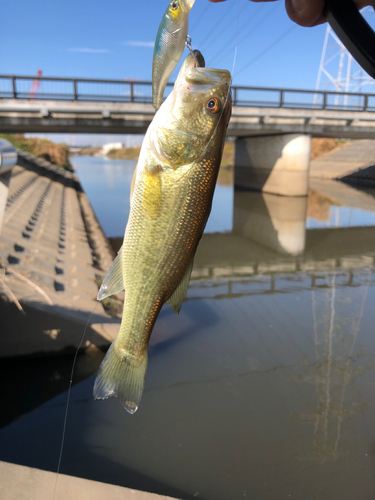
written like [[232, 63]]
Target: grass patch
[[322, 145], [57, 154], [228, 155], [124, 153], [86, 152]]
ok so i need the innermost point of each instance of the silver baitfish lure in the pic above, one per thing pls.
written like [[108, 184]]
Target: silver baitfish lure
[[169, 46]]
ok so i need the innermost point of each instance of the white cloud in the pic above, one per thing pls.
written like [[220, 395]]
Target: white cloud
[[140, 44], [88, 50]]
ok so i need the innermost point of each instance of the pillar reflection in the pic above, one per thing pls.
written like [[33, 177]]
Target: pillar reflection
[[277, 222]]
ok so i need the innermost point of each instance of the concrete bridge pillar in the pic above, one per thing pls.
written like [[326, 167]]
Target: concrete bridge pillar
[[277, 164]]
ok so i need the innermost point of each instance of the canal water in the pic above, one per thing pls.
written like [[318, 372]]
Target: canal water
[[107, 183], [262, 388]]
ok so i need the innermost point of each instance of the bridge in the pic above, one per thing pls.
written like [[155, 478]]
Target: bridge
[[273, 126], [79, 105]]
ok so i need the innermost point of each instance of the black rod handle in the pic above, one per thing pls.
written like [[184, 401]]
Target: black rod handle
[[354, 32]]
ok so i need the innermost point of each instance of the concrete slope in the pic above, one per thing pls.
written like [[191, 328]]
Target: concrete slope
[[18, 482], [52, 254], [346, 160]]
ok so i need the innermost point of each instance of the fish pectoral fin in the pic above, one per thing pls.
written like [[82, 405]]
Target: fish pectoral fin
[[177, 297], [113, 281], [123, 376]]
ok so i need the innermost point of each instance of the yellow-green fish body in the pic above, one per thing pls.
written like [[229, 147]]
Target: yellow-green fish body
[[169, 46], [172, 195]]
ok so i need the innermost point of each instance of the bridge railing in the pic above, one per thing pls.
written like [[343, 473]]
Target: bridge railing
[[75, 89], [84, 89]]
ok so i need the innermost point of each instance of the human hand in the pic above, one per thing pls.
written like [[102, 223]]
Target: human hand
[[307, 12]]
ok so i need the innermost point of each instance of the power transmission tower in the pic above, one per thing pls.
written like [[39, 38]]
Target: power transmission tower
[[339, 71]]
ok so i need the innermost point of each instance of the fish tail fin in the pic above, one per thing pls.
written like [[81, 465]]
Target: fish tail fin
[[121, 376]]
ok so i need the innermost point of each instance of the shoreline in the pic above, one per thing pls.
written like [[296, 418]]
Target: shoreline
[[52, 251], [20, 482]]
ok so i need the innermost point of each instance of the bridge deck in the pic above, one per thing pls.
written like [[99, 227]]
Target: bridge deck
[[134, 118]]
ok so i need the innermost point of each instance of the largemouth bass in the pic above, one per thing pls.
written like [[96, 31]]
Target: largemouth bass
[[171, 200], [169, 46]]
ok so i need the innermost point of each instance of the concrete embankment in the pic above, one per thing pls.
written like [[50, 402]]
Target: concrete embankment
[[53, 255], [26, 483], [353, 163]]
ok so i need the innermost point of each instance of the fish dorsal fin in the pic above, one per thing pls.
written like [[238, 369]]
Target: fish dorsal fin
[[113, 281], [177, 297]]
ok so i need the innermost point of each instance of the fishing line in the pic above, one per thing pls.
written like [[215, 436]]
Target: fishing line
[[68, 398]]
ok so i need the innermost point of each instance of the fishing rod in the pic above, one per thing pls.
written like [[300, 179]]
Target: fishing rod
[[353, 31]]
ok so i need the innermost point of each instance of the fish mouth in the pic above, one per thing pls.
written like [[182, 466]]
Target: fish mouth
[[194, 60], [199, 59], [194, 72], [208, 76]]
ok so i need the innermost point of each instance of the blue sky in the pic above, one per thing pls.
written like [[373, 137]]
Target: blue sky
[[114, 39]]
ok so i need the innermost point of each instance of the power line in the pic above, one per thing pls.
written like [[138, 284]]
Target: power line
[[238, 30], [247, 34], [215, 27], [283, 35], [202, 15]]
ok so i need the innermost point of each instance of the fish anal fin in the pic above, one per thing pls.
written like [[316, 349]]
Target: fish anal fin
[[121, 376], [177, 297], [113, 281]]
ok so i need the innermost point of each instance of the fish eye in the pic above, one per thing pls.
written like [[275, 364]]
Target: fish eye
[[213, 105], [174, 5]]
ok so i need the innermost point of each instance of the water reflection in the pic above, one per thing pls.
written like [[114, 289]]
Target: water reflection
[[277, 222], [107, 184], [337, 320], [335, 204], [262, 387]]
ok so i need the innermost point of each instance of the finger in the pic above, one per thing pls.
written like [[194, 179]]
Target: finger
[[305, 12]]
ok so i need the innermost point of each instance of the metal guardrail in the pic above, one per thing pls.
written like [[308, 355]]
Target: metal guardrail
[[8, 156], [95, 90]]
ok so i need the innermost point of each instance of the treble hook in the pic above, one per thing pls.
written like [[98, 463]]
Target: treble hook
[[188, 45]]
